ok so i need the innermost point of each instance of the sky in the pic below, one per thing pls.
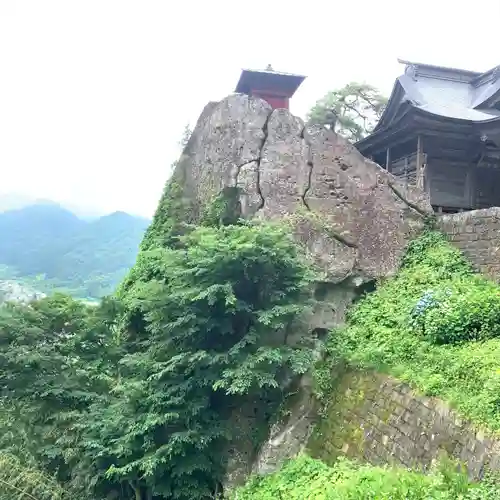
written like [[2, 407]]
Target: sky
[[95, 94]]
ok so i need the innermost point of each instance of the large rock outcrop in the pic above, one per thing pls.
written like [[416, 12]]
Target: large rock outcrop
[[352, 218]]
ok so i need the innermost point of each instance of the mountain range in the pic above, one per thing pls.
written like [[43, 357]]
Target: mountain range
[[50, 248], [15, 201]]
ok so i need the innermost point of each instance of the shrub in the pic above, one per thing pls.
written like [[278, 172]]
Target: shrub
[[205, 334], [435, 258], [460, 310], [305, 477]]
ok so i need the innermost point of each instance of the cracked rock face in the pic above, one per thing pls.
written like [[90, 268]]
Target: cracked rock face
[[352, 217]]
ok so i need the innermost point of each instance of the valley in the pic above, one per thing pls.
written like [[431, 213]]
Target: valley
[[48, 248]]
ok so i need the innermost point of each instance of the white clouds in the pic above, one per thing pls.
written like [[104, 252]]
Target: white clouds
[[94, 95]]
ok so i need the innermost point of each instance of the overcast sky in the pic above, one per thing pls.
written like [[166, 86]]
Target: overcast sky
[[94, 94]]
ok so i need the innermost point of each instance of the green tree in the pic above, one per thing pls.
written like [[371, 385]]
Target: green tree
[[352, 111], [57, 357], [206, 327], [134, 398]]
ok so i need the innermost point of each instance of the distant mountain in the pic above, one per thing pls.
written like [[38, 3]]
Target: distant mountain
[[15, 201], [49, 247]]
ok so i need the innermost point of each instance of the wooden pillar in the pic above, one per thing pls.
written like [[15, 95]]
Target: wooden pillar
[[420, 162], [388, 159], [471, 185]]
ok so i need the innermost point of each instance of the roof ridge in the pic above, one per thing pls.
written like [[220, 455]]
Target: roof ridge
[[491, 74], [445, 68]]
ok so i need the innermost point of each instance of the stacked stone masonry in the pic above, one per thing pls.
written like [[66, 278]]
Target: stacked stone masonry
[[477, 234], [381, 420]]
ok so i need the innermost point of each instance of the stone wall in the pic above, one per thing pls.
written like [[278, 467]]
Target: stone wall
[[381, 420], [477, 234]]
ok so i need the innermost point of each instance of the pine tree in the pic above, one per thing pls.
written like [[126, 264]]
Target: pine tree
[[352, 111]]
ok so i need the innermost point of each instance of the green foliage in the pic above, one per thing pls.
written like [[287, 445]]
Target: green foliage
[[21, 482], [171, 218], [224, 209], [458, 305], [206, 328], [352, 111], [134, 397], [459, 310], [137, 397], [432, 251], [56, 356], [381, 332], [49, 248], [305, 477]]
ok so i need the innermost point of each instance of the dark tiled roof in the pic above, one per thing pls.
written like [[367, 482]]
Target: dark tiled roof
[[447, 92], [270, 79]]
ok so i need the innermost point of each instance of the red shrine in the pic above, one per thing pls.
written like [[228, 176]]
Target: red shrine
[[274, 87]]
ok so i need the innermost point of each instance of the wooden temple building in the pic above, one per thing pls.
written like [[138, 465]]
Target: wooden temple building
[[274, 87], [441, 131]]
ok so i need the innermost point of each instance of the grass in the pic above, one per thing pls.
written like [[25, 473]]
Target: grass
[[307, 478]]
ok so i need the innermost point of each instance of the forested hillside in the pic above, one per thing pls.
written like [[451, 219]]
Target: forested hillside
[[50, 248]]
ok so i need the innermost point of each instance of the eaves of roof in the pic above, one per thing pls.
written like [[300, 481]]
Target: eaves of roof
[[394, 126], [472, 74], [409, 112], [392, 106]]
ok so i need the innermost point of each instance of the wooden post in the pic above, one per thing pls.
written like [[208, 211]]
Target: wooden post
[[420, 163], [388, 159], [471, 185], [406, 170]]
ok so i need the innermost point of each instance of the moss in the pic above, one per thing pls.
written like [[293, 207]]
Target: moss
[[175, 211], [337, 427], [317, 222], [339, 431]]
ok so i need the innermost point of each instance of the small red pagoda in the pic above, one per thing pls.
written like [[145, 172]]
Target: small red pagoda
[[274, 87]]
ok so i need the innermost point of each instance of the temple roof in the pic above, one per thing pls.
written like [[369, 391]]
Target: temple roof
[[438, 98], [445, 92], [268, 80]]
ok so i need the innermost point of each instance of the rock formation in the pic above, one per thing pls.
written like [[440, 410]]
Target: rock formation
[[352, 218]]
